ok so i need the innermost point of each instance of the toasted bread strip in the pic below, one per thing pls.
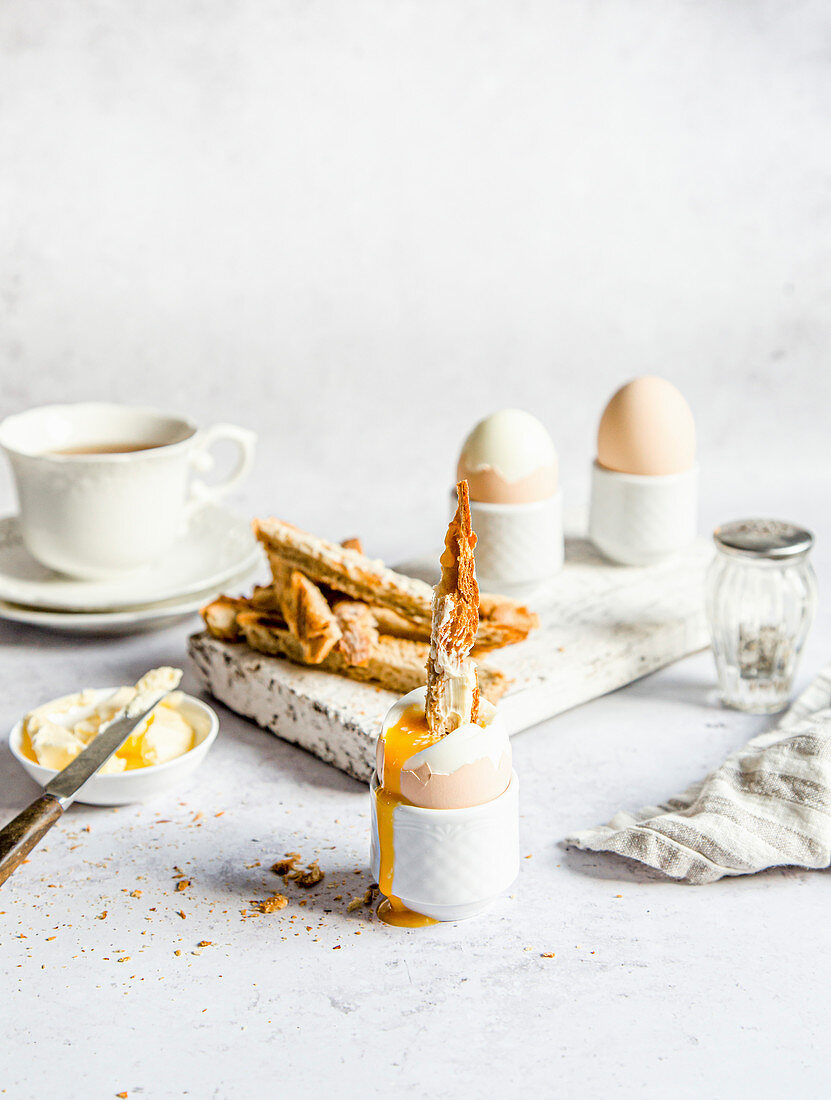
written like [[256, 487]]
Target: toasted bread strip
[[489, 635], [452, 690], [504, 621], [344, 570], [404, 603], [390, 622], [220, 617], [355, 620], [393, 663], [358, 631], [266, 597], [505, 612], [309, 618], [511, 622]]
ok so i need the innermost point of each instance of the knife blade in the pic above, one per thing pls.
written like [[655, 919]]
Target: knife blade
[[20, 836]]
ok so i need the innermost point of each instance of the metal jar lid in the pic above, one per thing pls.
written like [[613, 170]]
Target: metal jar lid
[[773, 539]]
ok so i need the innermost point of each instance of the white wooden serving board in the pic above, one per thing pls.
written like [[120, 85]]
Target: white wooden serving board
[[601, 627]]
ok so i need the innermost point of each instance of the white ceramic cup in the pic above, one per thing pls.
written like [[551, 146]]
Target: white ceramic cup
[[518, 545], [105, 515], [636, 519]]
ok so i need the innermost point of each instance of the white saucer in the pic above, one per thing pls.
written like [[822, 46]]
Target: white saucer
[[215, 547], [132, 620]]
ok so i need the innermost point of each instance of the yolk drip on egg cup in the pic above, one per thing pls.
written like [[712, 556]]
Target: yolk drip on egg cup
[[408, 736]]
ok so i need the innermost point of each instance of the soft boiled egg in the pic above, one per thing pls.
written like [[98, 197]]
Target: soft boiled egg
[[509, 458], [648, 429], [467, 767]]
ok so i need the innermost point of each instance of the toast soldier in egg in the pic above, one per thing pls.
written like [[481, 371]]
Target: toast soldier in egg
[[444, 796]]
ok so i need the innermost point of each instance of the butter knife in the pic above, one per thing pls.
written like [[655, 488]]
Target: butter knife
[[20, 836]]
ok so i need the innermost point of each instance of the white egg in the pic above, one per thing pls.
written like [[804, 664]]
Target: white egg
[[509, 458]]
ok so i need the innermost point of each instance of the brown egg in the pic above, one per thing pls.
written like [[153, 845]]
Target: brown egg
[[647, 428]]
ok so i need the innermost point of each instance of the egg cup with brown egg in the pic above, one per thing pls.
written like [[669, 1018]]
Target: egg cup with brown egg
[[644, 495]]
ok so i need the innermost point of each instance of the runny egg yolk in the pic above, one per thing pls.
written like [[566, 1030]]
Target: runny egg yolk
[[408, 736]]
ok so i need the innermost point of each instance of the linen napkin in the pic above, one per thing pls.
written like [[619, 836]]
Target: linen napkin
[[768, 805]]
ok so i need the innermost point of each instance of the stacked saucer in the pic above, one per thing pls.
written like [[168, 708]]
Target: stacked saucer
[[216, 552]]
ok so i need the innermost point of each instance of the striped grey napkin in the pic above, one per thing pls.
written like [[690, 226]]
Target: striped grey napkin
[[768, 805]]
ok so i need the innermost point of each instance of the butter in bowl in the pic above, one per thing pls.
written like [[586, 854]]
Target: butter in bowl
[[164, 749]]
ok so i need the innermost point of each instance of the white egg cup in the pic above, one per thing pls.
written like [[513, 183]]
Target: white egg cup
[[636, 519], [451, 864], [519, 545]]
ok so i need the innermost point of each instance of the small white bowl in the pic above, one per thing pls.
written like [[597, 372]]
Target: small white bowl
[[122, 788]]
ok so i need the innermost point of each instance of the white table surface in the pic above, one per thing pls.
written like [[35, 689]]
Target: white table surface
[[654, 987]]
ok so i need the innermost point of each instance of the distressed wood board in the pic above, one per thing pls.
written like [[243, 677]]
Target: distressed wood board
[[602, 626]]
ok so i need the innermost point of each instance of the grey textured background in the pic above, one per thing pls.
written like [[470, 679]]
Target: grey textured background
[[358, 227]]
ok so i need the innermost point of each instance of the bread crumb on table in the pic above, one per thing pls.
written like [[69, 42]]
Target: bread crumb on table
[[284, 867], [271, 905]]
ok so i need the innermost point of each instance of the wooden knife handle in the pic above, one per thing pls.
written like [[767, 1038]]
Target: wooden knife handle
[[20, 836]]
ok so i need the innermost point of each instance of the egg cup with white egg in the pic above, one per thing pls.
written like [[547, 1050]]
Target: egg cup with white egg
[[444, 797], [510, 464], [644, 494]]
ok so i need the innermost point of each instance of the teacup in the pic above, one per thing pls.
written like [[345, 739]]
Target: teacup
[[105, 489]]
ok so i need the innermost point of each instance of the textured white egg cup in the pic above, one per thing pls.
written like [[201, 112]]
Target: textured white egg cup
[[519, 545], [640, 520], [451, 864]]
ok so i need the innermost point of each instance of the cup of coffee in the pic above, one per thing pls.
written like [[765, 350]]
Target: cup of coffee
[[106, 489]]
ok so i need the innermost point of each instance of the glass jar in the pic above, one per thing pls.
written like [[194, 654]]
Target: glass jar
[[761, 598]]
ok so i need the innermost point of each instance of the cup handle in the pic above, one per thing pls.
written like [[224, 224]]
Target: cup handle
[[201, 461]]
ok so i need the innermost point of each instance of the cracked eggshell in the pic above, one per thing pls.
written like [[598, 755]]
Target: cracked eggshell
[[509, 458], [468, 767]]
